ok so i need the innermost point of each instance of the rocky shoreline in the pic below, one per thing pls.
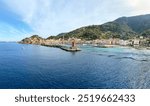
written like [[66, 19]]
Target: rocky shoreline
[[50, 43], [102, 43]]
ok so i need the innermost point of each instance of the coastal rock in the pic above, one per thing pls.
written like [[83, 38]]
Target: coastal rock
[[35, 39]]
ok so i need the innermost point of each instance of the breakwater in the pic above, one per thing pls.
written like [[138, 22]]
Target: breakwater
[[69, 49]]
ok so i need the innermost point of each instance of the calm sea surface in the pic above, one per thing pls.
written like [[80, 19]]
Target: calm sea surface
[[33, 66]]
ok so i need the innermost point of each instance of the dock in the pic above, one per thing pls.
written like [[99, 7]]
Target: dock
[[73, 47], [69, 49]]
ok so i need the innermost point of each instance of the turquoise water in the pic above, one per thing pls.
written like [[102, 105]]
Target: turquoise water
[[33, 66]]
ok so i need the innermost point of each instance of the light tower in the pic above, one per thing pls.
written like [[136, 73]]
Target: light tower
[[74, 44]]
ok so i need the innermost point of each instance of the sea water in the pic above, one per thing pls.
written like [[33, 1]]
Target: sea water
[[34, 66]]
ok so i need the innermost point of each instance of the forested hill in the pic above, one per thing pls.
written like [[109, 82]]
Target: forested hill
[[124, 28]]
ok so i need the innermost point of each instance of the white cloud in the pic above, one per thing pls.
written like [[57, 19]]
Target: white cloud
[[36, 13], [52, 17], [139, 6], [7, 33]]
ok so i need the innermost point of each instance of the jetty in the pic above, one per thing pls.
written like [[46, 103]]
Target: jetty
[[73, 47]]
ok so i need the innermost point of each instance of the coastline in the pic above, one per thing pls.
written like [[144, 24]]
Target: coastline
[[102, 43], [66, 48]]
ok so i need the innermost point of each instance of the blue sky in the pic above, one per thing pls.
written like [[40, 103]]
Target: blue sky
[[22, 18]]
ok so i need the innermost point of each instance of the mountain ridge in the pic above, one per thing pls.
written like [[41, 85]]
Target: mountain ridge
[[122, 28]]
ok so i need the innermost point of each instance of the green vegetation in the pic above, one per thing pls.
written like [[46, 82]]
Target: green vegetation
[[146, 33], [123, 28]]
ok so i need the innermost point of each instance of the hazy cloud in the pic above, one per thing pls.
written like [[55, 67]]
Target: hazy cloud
[[50, 17]]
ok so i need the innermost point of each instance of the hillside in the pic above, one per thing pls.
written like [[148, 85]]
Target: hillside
[[136, 23], [124, 28], [35, 39]]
